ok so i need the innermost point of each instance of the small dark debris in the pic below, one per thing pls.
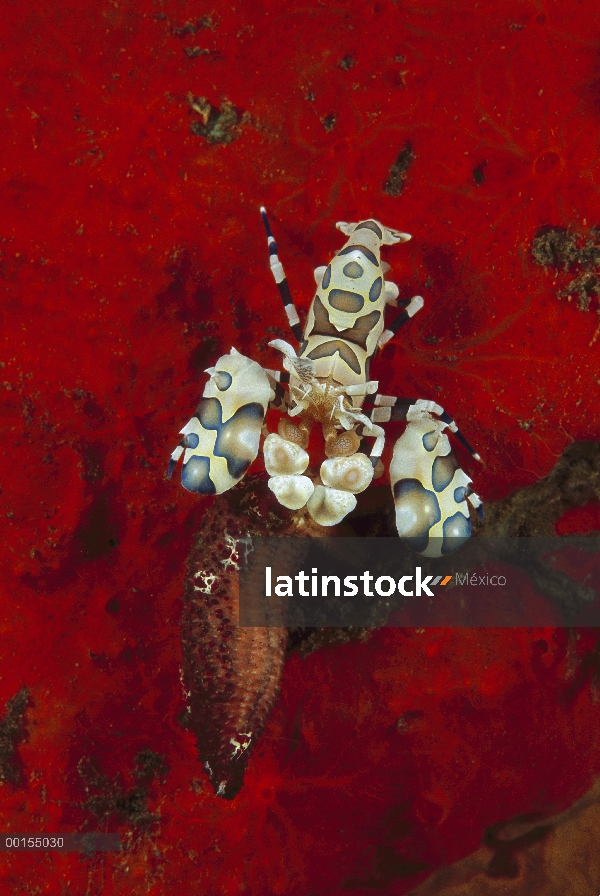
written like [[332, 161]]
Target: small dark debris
[[160, 16], [329, 122], [589, 255], [346, 63], [310, 96], [556, 247], [561, 248], [194, 27], [111, 798], [516, 26], [13, 731], [183, 30], [399, 58], [584, 288], [478, 175], [216, 126], [194, 52], [394, 185]]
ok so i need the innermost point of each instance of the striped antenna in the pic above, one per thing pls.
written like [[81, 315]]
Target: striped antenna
[[281, 280], [454, 429]]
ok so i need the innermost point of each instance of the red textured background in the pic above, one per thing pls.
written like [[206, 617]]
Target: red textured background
[[132, 257]]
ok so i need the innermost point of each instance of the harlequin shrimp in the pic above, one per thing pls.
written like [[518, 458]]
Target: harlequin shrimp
[[325, 381]]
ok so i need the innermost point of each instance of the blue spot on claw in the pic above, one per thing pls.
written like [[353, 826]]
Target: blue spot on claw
[[457, 530], [195, 476], [223, 381], [430, 440], [417, 510], [443, 470]]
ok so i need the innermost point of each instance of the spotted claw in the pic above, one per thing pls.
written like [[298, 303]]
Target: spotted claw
[[291, 491], [350, 474], [283, 457], [329, 506]]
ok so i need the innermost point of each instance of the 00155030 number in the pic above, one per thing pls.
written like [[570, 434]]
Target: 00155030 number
[[33, 842]]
